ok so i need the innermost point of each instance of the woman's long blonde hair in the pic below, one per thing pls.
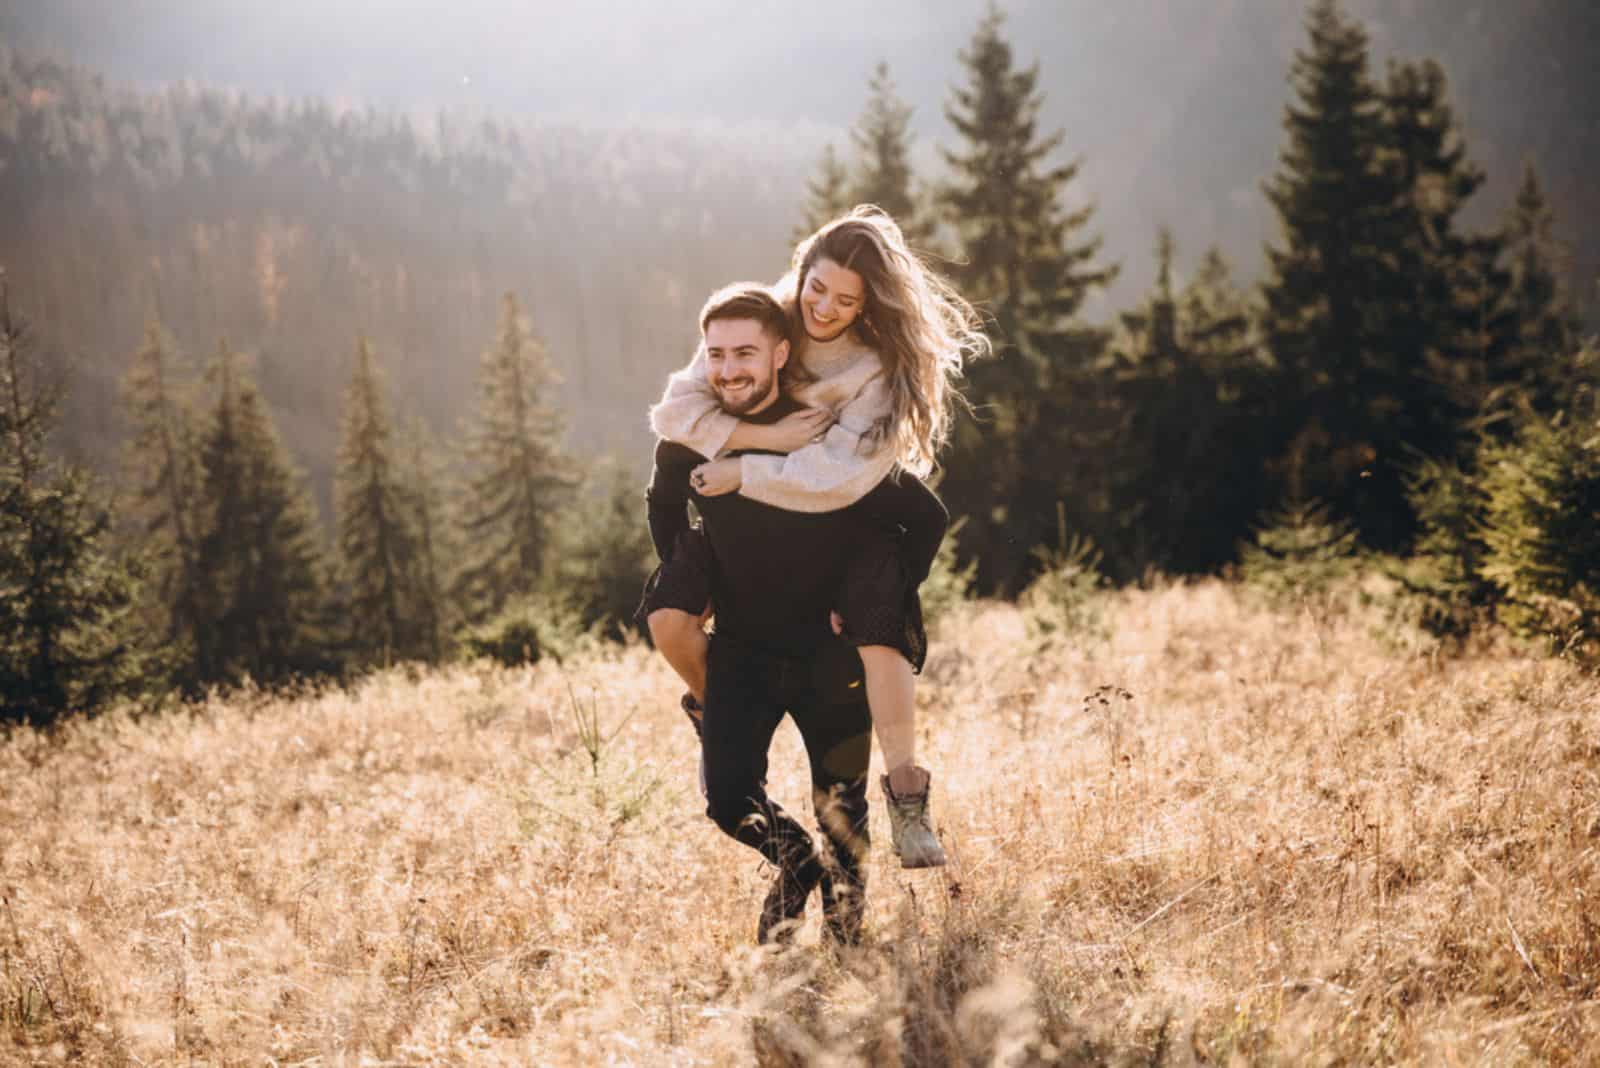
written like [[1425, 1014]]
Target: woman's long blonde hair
[[921, 328]]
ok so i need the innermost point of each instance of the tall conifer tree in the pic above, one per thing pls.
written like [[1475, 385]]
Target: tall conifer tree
[[64, 600], [517, 476], [1220, 319], [163, 466], [1544, 332], [882, 139], [1333, 285], [881, 170], [425, 508], [377, 543], [603, 554], [828, 195], [261, 565], [1186, 473], [1028, 265], [1434, 316]]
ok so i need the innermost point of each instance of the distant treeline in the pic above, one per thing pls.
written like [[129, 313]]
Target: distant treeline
[[1397, 382], [289, 227]]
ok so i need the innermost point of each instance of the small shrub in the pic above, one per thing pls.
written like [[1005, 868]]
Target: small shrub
[[594, 778], [1542, 532], [1063, 602], [1299, 553], [1441, 588], [531, 628], [510, 638]]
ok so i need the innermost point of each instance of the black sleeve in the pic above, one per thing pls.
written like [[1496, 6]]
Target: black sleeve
[[667, 496], [905, 506]]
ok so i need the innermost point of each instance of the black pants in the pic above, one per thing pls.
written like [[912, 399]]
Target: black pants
[[748, 692]]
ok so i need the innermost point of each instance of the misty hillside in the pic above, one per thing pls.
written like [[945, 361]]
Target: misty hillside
[[290, 228], [330, 178], [1175, 107]]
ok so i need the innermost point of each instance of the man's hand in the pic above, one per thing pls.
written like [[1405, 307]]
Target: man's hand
[[717, 477], [836, 621]]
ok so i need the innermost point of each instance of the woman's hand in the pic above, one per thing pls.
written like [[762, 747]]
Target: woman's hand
[[796, 430], [716, 478]]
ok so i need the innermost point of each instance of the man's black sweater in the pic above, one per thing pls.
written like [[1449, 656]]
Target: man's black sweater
[[776, 574]]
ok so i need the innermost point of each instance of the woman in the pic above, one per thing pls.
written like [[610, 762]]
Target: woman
[[881, 338]]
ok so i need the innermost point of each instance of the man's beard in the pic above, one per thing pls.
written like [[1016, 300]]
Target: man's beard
[[750, 399]]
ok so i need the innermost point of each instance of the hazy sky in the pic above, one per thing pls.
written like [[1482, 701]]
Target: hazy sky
[[601, 58], [1175, 105]]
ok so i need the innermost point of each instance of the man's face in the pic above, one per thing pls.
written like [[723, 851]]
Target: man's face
[[742, 362]]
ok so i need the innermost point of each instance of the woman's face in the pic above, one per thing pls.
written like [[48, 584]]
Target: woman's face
[[831, 299]]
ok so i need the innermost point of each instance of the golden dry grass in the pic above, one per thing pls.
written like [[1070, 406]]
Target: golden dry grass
[[1226, 835]]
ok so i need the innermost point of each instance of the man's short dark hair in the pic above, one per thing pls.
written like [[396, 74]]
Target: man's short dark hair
[[747, 300]]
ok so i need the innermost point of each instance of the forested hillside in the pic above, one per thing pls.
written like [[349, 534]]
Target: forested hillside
[[343, 368], [1174, 106], [287, 228]]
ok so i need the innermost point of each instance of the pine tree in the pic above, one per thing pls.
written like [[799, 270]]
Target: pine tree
[[163, 468], [1538, 365], [1299, 552], [881, 173], [1027, 260], [260, 564], [378, 546], [517, 474], [882, 139], [1333, 285], [65, 641], [1028, 266], [1542, 530], [1443, 577], [1153, 328], [1220, 322], [1187, 473], [1433, 320], [828, 195], [425, 509], [603, 554]]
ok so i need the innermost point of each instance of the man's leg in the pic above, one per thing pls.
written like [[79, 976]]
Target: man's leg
[[836, 726], [744, 704]]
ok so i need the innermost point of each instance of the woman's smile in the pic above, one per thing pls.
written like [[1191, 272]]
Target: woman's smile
[[830, 299]]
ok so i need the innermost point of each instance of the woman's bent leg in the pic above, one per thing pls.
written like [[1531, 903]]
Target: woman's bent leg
[[892, 695], [882, 618], [680, 637]]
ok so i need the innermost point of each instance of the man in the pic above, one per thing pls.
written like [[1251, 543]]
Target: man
[[774, 576]]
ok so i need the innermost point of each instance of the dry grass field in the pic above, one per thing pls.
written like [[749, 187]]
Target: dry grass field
[[1221, 835]]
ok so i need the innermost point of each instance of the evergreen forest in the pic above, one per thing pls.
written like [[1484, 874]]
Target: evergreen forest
[[289, 392]]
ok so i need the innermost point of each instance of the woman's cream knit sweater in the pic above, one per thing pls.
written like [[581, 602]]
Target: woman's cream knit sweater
[[847, 378]]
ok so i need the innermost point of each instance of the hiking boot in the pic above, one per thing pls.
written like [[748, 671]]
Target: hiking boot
[[844, 910], [910, 827], [784, 908]]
